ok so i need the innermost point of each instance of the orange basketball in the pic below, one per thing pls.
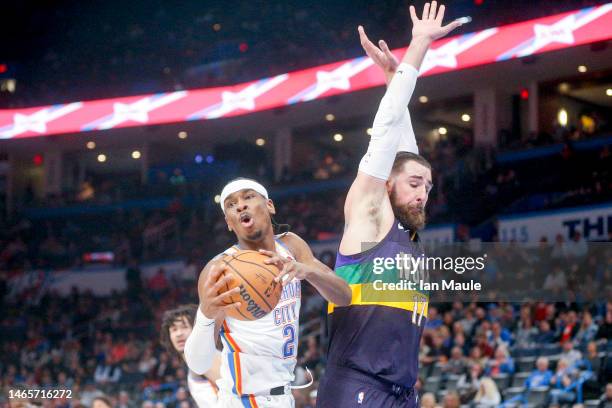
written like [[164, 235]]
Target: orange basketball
[[259, 293]]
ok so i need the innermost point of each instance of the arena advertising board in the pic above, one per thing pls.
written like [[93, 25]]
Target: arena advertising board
[[592, 222], [449, 54]]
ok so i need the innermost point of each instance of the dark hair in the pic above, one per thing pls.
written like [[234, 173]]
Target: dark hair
[[170, 317], [403, 157], [104, 400]]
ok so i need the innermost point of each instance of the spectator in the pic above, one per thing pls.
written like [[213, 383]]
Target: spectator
[[545, 334], [569, 328], [469, 383], [501, 364], [500, 337], [587, 331], [592, 359], [577, 246], [101, 402], [428, 400], [561, 384], [606, 399], [556, 280], [541, 376], [456, 365], [434, 321], [107, 373], [559, 248], [605, 330], [451, 400], [124, 400], [569, 354], [488, 394], [90, 393], [526, 332]]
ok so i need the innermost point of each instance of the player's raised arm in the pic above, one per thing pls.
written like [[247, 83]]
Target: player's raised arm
[[367, 211], [200, 349]]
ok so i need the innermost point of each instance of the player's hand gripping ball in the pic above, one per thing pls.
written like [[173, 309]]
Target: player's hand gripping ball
[[259, 292]]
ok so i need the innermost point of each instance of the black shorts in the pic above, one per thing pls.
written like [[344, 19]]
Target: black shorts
[[346, 388]]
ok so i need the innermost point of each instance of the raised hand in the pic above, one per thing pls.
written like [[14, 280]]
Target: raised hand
[[383, 57], [430, 26]]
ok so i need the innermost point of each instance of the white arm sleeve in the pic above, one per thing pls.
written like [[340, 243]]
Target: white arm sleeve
[[408, 141], [200, 347], [387, 128]]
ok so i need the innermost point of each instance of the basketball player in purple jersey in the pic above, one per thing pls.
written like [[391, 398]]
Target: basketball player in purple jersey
[[374, 345]]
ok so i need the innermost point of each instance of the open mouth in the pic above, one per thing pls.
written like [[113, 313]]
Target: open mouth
[[246, 220]]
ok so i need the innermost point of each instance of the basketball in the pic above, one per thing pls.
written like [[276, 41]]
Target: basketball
[[259, 293]]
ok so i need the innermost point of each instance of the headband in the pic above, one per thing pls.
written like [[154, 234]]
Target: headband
[[242, 184]]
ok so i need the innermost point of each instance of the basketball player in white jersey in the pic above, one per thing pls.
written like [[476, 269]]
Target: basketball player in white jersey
[[177, 325], [258, 357]]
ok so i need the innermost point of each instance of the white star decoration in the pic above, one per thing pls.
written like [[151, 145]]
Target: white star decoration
[[24, 123], [339, 78], [446, 55], [136, 112], [561, 32], [37, 121], [238, 100], [139, 111], [245, 98]]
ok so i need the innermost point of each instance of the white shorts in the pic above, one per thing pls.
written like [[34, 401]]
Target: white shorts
[[227, 400]]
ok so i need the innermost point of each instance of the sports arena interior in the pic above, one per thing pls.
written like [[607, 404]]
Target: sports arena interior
[[106, 222]]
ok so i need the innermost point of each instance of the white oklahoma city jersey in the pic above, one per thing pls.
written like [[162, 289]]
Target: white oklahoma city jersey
[[261, 354], [202, 390]]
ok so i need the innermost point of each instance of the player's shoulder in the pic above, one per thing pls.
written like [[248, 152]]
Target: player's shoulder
[[293, 242], [290, 239]]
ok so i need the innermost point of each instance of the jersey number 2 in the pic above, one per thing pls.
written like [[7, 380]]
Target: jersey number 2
[[289, 344]]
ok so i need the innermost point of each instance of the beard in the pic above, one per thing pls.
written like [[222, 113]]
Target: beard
[[255, 236], [411, 217]]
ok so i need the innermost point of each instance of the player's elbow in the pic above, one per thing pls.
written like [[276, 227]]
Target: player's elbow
[[346, 296]]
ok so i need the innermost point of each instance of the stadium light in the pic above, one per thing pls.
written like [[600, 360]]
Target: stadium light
[[198, 158], [182, 134], [217, 27], [465, 117], [338, 137], [91, 145], [609, 91], [442, 130], [562, 117], [101, 158], [564, 87], [136, 155], [260, 141], [582, 68], [369, 131], [330, 117], [423, 99]]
